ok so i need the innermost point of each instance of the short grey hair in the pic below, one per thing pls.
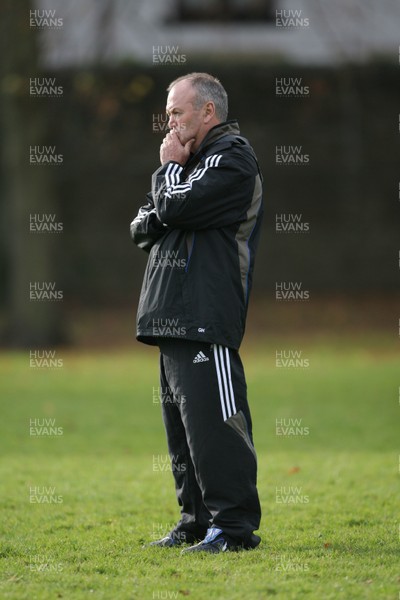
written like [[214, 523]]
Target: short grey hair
[[207, 88]]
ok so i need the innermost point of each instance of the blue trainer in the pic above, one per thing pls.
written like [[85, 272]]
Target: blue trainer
[[173, 539], [218, 541]]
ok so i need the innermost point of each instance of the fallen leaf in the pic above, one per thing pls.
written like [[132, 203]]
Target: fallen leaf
[[294, 470]]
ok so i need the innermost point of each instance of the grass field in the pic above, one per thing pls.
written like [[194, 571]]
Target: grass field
[[77, 507]]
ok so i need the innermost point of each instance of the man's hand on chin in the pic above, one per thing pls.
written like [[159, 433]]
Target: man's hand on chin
[[173, 149]]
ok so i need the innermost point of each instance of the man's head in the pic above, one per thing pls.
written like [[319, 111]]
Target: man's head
[[196, 103]]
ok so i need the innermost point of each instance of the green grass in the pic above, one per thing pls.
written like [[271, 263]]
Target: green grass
[[337, 538]]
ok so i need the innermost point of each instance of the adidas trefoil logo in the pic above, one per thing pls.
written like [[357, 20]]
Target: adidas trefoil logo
[[201, 357]]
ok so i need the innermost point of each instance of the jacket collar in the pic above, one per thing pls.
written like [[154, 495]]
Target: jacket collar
[[218, 131], [215, 134]]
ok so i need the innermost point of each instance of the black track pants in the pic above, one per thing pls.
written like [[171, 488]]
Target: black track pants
[[209, 433]]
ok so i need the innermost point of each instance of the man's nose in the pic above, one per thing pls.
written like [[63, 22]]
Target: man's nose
[[171, 122]]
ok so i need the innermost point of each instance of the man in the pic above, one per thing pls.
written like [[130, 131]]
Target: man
[[201, 226]]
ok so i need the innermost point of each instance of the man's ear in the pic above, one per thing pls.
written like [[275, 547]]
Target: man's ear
[[209, 111]]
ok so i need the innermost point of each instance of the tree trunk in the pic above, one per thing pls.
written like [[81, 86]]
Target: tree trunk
[[27, 189]]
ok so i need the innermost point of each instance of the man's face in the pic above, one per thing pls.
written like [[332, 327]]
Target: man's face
[[187, 121]]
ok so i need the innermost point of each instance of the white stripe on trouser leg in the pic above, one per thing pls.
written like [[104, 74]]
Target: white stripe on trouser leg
[[221, 393], [224, 378], [223, 367], [228, 364]]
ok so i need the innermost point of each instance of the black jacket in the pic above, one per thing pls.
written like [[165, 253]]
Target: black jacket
[[201, 226]]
